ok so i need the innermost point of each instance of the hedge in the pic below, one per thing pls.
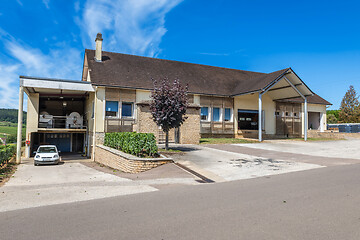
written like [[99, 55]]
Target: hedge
[[138, 144], [6, 152]]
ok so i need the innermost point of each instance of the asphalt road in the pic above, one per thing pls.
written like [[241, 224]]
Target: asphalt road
[[321, 203]]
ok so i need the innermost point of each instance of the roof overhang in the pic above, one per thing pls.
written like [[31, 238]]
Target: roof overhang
[[55, 86], [286, 86]]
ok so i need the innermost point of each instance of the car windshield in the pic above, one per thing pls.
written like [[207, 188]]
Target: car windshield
[[47, 150]]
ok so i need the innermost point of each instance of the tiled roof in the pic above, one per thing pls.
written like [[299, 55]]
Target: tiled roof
[[131, 71]]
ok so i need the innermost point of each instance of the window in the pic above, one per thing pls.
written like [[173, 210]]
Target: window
[[216, 114], [204, 113], [111, 108], [277, 113], [127, 109], [227, 116]]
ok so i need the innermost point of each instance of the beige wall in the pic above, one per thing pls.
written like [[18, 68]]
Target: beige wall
[[251, 102], [142, 95], [100, 109], [32, 118]]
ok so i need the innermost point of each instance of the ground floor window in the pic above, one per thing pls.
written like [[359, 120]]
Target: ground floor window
[[227, 115], [216, 114], [112, 108], [204, 113], [127, 109]]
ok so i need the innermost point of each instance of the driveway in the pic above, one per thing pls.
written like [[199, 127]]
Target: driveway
[[227, 162], [74, 181], [222, 165]]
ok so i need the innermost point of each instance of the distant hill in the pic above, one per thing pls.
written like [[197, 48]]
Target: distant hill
[[10, 115]]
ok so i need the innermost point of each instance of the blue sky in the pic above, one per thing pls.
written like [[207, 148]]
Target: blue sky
[[320, 40]]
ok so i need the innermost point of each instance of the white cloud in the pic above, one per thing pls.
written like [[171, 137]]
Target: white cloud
[[9, 87], [46, 3], [135, 27], [62, 62]]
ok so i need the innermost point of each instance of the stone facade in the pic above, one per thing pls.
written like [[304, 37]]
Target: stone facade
[[331, 134], [189, 130], [125, 162]]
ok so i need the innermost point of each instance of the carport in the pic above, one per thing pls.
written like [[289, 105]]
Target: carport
[[284, 88], [57, 114]]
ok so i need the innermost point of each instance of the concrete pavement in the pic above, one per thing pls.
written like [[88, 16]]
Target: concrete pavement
[[343, 149], [72, 181], [317, 204], [222, 165]]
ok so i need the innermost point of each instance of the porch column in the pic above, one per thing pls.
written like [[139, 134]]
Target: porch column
[[94, 127], [321, 122], [305, 119], [260, 117], [19, 130]]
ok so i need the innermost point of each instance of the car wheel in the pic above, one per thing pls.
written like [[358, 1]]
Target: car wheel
[[35, 164]]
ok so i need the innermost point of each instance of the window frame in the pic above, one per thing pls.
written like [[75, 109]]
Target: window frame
[[132, 110], [231, 115], [118, 110], [208, 114], [220, 114]]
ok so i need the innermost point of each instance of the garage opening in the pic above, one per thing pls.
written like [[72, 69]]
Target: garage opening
[[314, 120], [249, 119], [65, 142]]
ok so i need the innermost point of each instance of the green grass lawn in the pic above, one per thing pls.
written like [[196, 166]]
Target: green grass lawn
[[170, 150], [225, 140]]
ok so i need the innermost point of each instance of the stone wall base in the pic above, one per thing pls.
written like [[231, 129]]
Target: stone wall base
[[331, 134], [125, 162]]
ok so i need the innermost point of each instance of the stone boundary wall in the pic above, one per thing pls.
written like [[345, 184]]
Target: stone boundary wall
[[126, 162], [332, 134]]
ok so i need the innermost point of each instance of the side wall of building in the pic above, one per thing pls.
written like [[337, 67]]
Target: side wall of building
[[319, 108], [32, 119]]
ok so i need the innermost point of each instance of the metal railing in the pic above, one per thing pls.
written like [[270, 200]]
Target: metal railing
[[57, 122]]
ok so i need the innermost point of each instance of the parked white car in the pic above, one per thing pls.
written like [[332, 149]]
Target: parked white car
[[46, 154]]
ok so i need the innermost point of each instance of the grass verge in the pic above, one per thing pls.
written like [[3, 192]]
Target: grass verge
[[6, 172]]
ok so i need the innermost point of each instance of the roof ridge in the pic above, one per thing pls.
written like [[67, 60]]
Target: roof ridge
[[168, 60]]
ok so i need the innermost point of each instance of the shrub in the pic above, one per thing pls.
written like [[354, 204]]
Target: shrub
[[138, 144], [6, 152]]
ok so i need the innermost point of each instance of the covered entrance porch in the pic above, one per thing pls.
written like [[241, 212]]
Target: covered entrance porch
[[271, 111]]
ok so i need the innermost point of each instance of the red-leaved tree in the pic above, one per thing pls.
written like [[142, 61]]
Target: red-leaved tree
[[168, 105]]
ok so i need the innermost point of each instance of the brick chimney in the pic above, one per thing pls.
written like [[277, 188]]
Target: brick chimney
[[98, 51]]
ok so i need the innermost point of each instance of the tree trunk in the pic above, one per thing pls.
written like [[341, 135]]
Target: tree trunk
[[167, 140]]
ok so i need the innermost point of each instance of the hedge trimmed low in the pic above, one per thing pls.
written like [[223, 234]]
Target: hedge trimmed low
[[138, 144], [6, 152]]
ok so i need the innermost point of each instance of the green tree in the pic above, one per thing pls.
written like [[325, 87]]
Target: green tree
[[331, 118], [350, 107]]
